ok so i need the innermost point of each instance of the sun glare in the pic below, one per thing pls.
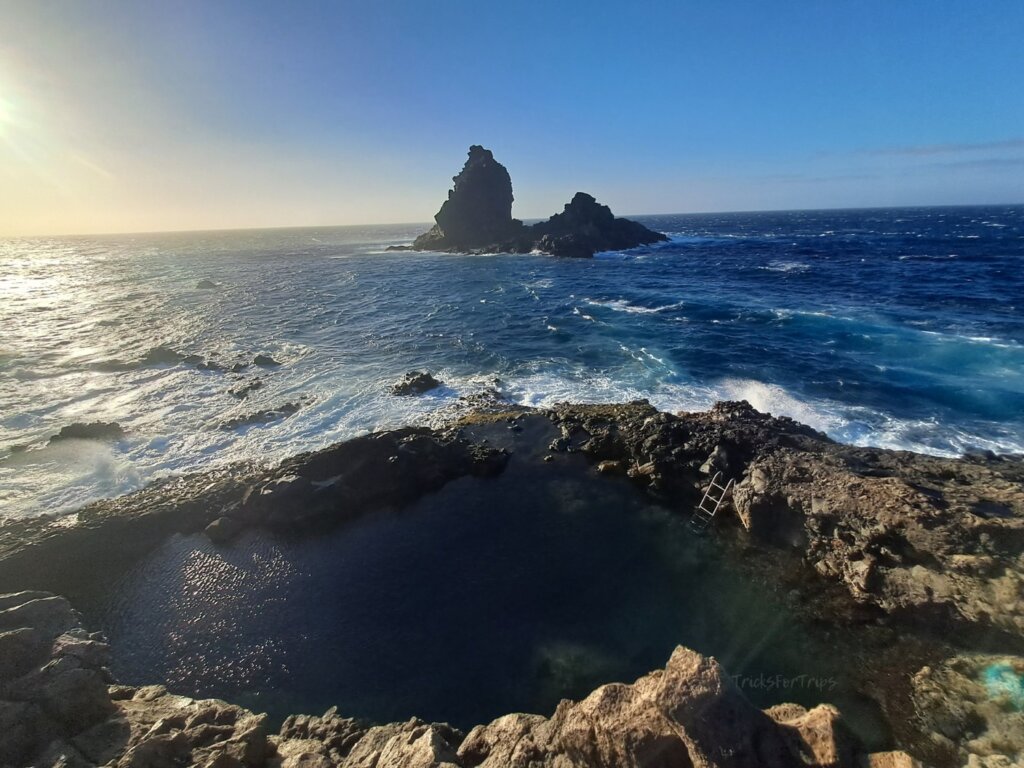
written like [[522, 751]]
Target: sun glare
[[6, 114]]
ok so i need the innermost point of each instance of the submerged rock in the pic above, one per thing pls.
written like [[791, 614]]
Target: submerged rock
[[265, 361], [206, 284], [973, 707], [415, 383], [162, 355], [264, 416], [94, 430], [244, 390], [477, 217]]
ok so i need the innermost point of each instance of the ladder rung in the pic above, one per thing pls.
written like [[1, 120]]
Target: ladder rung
[[710, 503]]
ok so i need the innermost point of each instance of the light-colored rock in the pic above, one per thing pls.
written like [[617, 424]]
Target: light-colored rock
[[976, 704], [689, 714]]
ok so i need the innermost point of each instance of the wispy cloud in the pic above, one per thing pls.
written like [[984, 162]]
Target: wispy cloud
[[919, 150]]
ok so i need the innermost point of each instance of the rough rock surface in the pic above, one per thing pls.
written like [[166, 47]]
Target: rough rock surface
[[264, 416], [59, 706], [586, 226], [478, 211], [415, 383], [972, 706], [477, 217], [95, 430], [688, 714], [920, 548], [927, 539], [384, 470]]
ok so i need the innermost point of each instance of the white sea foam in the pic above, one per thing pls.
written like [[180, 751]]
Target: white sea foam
[[786, 266], [623, 305]]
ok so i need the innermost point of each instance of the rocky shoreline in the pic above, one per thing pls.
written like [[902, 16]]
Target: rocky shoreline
[[920, 554], [60, 706]]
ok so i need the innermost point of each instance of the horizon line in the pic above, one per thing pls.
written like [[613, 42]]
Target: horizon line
[[524, 219]]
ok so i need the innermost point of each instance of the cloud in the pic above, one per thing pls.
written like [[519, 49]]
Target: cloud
[[919, 150]]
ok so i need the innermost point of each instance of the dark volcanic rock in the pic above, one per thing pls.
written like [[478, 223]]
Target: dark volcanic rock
[[95, 430], [62, 707], [477, 217], [266, 361], [478, 211], [162, 356], [586, 226], [415, 383], [262, 417], [244, 390]]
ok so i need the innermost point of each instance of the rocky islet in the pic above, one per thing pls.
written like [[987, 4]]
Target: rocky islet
[[477, 218]]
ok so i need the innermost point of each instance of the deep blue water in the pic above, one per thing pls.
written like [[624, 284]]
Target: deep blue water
[[897, 328], [491, 596]]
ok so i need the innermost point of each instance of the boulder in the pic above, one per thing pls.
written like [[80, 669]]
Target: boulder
[[95, 430], [162, 355], [206, 285], [21, 650], [415, 383], [264, 416], [689, 714], [223, 529]]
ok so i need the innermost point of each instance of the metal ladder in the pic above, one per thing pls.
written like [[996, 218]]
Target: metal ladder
[[713, 498]]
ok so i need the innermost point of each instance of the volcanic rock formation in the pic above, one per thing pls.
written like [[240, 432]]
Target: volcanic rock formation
[[477, 217], [913, 564], [59, 705]]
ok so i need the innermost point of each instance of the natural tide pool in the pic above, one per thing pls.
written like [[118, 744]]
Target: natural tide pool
[[488, 597]]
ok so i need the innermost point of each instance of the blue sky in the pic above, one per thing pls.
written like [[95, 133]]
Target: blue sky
[[118, 116]]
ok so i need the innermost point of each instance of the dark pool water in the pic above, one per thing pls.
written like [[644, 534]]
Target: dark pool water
[[488, 597]]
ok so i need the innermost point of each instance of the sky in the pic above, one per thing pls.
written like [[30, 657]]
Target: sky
[[207, 114]]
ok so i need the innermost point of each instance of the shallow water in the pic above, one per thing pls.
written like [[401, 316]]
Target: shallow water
[[491, 596], [898, 328]]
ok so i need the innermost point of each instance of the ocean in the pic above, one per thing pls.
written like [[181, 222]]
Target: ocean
[[898, 328]]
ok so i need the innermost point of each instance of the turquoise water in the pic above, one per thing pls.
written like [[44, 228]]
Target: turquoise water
[[896, 328]]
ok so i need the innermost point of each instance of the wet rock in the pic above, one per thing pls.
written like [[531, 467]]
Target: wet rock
[[206, 285], [95, 430], [223, 529], [162, 356], [611, 467], [415, 383], [244, 390], [265, 361], [264, 416]]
